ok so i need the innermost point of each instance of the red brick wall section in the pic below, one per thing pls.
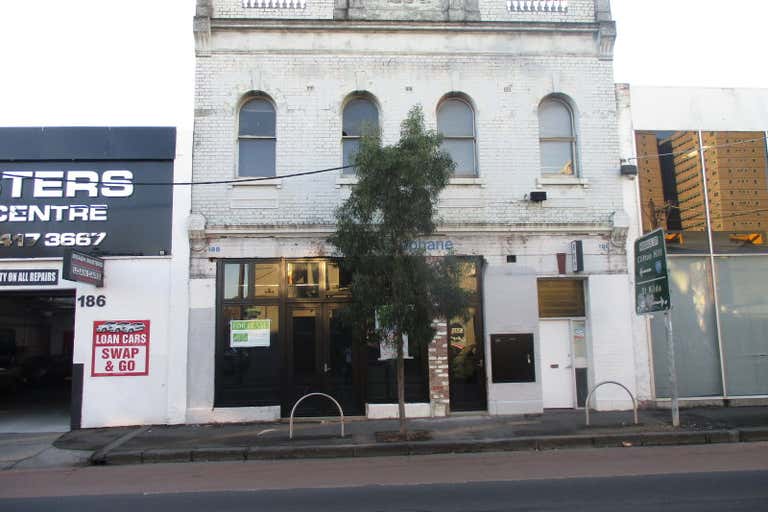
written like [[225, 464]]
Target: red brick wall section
[[438, 370]]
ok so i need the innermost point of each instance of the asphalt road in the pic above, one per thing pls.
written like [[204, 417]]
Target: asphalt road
[[699, 492], [703, 477]]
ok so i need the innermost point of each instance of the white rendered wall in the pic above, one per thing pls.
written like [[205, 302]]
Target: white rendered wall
[[702, 108], [612, 353], [511, 307], [640, 325]]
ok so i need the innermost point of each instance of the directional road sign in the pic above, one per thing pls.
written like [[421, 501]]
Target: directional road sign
[[651, 280]]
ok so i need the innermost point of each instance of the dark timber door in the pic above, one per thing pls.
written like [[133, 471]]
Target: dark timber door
[[304, 335], [466, 368], [343, 375], [322, 360]]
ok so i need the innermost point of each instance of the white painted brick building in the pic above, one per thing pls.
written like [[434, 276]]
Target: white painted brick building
[[502, 59]]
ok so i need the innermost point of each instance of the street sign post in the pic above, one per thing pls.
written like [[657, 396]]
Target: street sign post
[[651, 279], [652, 295]]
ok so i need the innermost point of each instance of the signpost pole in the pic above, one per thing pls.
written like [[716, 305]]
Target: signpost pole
[[652, 295], [672, 370]]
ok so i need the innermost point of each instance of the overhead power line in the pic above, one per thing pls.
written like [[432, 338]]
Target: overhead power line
[[10, 174]]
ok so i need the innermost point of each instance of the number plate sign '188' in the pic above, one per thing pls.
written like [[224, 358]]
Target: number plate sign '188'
[[651, 278]]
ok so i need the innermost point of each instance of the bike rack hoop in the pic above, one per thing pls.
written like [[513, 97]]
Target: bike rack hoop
[[634, 402], [329, 397]]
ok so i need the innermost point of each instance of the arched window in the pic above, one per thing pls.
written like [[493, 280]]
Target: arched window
[[557, 139], [456, 121], [256, 138], [360, 115]]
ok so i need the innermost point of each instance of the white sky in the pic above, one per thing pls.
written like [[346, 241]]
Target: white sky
[[131, 62]]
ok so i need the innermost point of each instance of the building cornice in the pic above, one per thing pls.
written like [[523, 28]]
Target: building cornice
[[401, 26], [313, 231]]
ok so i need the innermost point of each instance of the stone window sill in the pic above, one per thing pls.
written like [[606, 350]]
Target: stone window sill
[[461, 181], [352, 180], [346, 181], [572, 181], [274, 182]]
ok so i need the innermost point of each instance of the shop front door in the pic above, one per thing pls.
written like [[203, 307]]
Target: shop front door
[[323, 359], [466, 371], [557, 364]]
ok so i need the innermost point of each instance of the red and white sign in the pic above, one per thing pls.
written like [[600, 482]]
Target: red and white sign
[[120, 348]]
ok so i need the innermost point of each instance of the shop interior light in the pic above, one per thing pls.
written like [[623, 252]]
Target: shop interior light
[[750, 238], [674, 238]]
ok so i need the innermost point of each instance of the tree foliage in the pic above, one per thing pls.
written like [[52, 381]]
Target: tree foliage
[[394, 203]]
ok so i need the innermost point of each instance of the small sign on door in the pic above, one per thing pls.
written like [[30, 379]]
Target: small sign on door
[[249, 333]]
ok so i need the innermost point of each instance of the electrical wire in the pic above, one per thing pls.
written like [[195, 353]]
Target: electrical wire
[[331, 169], [123, 181]]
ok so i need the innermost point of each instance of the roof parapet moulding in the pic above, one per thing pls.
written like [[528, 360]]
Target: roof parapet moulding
[[537, 5], [274, 4]]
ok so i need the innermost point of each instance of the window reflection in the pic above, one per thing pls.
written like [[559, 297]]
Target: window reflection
[[235, 281], [462, 345], [338, 280], [303, 279], [266, 278], [737, 190], [468, 277], [672, 188]]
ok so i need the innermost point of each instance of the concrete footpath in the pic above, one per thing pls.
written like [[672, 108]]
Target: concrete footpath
[[366, 438]]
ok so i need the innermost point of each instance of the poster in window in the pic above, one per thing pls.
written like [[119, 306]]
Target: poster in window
[[249, 333]]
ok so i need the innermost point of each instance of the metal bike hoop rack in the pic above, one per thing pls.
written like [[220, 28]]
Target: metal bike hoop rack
[[329, 397], [634, 402]]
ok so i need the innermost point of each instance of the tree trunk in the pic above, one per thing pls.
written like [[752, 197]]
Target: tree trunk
[[401, 386]]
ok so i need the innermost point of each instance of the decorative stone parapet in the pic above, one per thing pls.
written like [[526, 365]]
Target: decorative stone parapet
[[274, 4], [537, 5]]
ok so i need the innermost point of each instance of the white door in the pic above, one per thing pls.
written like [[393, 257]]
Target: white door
[[556, 364]]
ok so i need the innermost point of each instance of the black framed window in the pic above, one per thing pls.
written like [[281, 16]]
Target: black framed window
[[257, 138], [456, 121], [360, 117], [557, 138]]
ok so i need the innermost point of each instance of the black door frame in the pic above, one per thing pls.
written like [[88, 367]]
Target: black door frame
[[324, 303], [476, 302]]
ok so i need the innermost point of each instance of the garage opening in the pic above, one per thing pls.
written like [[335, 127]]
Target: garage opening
[[36, 345]]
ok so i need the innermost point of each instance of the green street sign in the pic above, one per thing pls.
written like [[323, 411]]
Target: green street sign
[[651, 278]]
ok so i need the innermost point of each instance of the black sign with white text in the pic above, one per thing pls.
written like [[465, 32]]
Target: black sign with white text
[[104, 191], [83, 268], [29, 277]]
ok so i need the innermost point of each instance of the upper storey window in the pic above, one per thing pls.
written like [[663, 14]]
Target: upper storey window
[[456, 121], [360, 117], [557, 139], [256, 138]]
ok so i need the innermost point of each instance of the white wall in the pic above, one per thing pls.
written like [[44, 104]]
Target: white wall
[[704, 108], [630, 192], [612, 356], [511, 307]]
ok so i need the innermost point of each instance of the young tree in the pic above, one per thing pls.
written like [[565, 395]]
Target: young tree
[[394, 203]]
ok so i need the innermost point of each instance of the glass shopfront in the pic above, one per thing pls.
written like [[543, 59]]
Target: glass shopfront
[[281, 334], [709, 191]]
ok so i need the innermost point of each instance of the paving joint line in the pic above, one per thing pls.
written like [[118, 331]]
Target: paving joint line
[[100, 456]]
